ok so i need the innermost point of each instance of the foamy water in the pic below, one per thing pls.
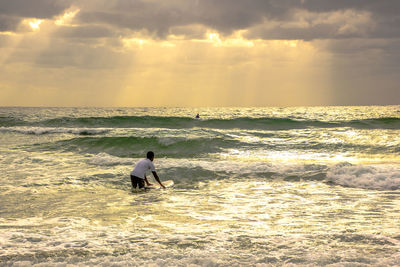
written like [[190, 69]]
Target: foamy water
[[253, 187]]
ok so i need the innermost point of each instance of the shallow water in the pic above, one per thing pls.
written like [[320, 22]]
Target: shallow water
[[264, 186]]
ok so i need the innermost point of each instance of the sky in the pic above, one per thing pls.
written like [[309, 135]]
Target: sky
[[199, 52]]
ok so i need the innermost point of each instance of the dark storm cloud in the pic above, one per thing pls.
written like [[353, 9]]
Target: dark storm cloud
[[226, 16], [33, 8], [385, 15], [8, 23], [86, 31], [265, 19], [158, 17], [385, 7], [12, 12]]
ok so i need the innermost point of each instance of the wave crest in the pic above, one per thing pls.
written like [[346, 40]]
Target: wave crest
[[373, 177], [138, 146], [385, 177], [53, 130], [265, 123]]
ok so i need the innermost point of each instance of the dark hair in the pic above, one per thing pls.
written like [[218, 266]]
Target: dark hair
[[150, 155]]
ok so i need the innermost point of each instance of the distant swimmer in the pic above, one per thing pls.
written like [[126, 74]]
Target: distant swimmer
[[138, 174], [197, 116]]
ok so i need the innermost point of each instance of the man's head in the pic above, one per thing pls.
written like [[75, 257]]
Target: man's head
[[150, 155]]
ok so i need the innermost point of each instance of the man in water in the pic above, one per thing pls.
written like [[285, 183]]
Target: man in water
[[138, 174]]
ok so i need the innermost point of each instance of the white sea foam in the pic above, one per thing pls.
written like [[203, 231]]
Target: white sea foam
[[198, 257], [242, 167], [104, 159], [83, 242], [166, 141], [238, 206], [381, 177], [53, 130]]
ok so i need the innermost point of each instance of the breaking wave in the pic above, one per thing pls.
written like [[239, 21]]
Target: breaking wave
[[385, 177], [374, 177]]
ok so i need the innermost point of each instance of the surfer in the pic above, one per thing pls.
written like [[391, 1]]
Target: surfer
[[138, 174], [197, 116]]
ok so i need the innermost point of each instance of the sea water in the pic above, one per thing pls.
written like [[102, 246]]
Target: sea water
[[309, 186]]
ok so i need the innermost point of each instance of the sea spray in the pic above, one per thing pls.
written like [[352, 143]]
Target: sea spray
[[299, 186]]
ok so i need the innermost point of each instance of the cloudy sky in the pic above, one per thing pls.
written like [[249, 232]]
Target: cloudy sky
[[199, 52]]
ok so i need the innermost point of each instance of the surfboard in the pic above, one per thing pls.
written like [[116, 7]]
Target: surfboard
[[155, 185]]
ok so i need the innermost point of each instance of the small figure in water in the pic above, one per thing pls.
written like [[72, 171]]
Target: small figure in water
[[138, 174], [197, 116]]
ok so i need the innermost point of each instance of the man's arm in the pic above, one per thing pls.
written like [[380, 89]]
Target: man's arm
[[147, 182], [158, 179]]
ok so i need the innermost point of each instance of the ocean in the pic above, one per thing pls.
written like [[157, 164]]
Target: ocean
[[296, 186]]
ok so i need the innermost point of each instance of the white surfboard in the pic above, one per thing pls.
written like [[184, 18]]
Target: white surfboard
[[155, 185]]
